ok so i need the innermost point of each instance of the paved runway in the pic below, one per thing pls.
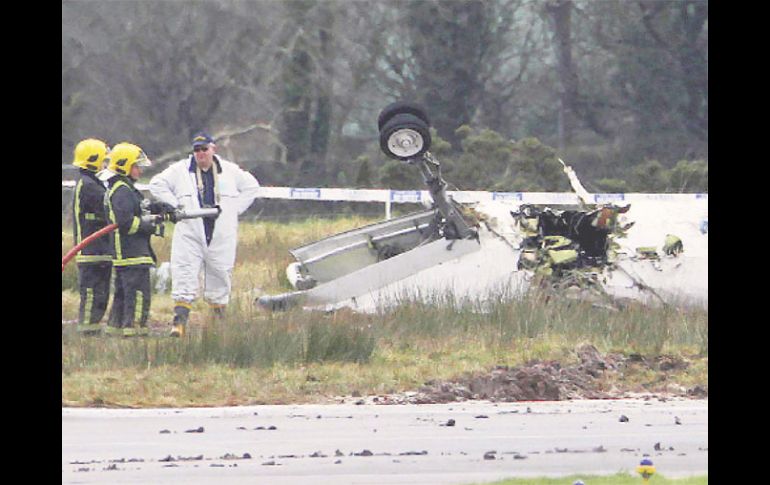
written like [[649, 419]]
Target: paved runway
[[459, 443]]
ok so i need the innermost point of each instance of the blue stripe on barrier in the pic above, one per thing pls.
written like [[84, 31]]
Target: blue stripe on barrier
[[296, 193], [507, 196], [405, 195], [601, 198]]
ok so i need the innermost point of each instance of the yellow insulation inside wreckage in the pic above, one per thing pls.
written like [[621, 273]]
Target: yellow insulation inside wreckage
[[575, 246]]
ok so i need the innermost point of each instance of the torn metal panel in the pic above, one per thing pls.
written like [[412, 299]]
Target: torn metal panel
[[349, 251], [365, 281], [639, 251], [477, 278]]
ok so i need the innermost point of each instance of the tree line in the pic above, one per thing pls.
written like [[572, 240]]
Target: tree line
[[617, 89]]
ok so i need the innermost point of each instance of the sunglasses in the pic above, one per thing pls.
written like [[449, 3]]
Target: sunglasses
[[201, 149]]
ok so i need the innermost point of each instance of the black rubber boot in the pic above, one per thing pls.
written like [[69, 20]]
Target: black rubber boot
[[181, 315]]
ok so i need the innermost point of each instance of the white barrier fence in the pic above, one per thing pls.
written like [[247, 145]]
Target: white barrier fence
[[389, 197]]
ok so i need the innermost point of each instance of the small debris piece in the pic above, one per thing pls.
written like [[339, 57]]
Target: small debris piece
[[623, 418], [317, 454], [451, 422], [190, 458], [599, 449], [481, 416], [363, 453], [196, 430], [338, 453], [490, 455], [657, 446], [164, 431], [677, 420]]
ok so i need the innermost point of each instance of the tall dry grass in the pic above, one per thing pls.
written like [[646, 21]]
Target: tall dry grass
[[508, 328]]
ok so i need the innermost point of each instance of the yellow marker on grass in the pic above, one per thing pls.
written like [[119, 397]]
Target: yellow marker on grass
[[646, 469]]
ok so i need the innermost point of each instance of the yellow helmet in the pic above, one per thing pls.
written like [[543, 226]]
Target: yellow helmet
[[124, 156], [89, 154]]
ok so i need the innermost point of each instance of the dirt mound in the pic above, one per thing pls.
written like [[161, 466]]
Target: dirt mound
[[595, 376]]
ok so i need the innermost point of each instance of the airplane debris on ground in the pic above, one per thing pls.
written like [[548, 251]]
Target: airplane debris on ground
[[648, 249]]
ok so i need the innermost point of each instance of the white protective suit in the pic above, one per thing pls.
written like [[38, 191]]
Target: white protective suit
[[177, 186]]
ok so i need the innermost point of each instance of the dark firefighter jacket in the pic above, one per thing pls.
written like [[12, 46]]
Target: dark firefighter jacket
[[89, 217], [131, 243]]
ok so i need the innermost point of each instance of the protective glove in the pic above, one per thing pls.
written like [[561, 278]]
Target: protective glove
[[161, 208], [164, 209], [148, 224]]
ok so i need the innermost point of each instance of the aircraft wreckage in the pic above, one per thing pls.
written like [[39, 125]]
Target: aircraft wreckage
[[653, 250]]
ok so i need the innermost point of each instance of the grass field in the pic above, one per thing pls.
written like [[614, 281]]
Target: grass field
[[252, 357]]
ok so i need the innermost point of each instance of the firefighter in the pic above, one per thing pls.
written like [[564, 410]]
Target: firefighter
[[203, 179], [132, 254], [95, 260]]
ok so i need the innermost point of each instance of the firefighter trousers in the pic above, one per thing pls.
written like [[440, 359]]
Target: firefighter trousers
[[131, 303], [94, 284]]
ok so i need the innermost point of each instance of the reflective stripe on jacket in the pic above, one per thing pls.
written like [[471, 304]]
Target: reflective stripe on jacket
[[89, 217], [131, 245]]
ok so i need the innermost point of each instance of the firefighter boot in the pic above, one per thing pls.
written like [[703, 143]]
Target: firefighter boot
[[181, 315]]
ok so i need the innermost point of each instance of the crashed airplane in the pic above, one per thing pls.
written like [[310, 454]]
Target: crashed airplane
[[652, 249]]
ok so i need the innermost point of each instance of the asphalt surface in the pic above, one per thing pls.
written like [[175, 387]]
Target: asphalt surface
[[459, 443]]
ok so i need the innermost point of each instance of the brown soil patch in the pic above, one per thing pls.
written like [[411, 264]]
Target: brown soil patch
[[596, 376]]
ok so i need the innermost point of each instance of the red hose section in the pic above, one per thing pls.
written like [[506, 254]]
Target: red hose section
[[85, 242]]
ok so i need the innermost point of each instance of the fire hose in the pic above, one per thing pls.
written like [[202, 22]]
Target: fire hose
[[175, 216]]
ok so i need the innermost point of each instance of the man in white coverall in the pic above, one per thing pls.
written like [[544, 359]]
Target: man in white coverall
[[203, 180]]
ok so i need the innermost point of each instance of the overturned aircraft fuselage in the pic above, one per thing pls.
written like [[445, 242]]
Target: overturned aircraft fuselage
[[648, 249]]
